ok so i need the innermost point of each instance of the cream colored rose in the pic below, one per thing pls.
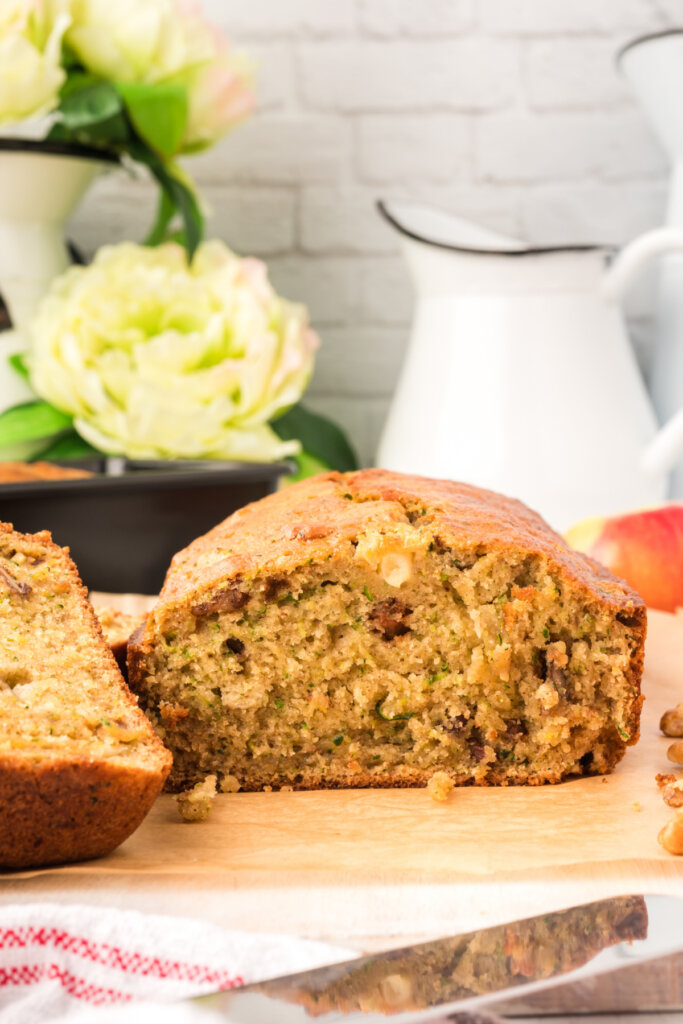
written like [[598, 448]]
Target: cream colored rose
[[30, 54], [219, 97], [166, 41], [125, 40], [155, 358]]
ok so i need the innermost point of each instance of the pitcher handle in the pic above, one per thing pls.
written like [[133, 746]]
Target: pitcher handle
[[664, 451], [634, 257]]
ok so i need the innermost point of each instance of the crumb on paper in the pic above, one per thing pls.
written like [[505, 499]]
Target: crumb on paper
[[195, 804], [229, 784], [637, 806], [267, 789], [604, 780], [671, 836], [286, 789], [671, 789], [440, 786]]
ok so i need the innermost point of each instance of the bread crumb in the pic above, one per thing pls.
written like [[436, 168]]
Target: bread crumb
[[195, 804], [604, 779], [440, 786], [286, 789], [637, 806], [671, 788], [229, 784], [267, 789]]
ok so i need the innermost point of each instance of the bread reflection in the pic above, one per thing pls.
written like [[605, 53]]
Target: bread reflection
[[470, 965]]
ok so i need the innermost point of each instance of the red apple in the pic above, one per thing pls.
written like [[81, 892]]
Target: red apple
[[644, 548]]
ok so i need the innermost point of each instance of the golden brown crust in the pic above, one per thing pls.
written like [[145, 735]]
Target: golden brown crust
[[265, 533], [22, 472], [312, 519], [60, 810], [406, 778], [56, 808]]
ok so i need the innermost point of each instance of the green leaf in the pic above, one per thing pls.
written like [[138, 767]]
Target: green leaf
[[75, 81], [157, 112], [113, 134], [307, 465], [30, 422], [177, 191], [166, 211], [69, 446], [91, 103], [320, 438], [186, 202], [18, 364]]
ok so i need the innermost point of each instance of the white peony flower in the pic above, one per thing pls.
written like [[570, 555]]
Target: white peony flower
[[158, 359], [30, 58]]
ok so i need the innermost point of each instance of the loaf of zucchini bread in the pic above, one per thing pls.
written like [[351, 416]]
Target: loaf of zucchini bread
[[80, 765], [371, 629]]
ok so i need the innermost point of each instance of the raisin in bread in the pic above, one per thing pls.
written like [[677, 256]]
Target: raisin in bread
[[80, 765], [372, 629]]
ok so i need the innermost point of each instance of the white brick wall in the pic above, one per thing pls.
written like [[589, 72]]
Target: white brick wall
[[506, 111]]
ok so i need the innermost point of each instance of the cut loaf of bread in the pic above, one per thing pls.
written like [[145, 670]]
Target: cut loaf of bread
[[80, 765], [371, 629]]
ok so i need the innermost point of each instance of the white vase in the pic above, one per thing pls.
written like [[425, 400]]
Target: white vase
[[41, 184]]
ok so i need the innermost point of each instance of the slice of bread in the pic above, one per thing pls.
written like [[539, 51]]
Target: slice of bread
[[80, 765], [374, 629]]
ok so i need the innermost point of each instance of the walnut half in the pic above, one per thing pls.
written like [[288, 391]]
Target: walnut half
[[671, 722], [675, 752], [671, 836], [671, 789]]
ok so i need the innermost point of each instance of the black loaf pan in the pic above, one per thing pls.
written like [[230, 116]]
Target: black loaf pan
[[125, 523]]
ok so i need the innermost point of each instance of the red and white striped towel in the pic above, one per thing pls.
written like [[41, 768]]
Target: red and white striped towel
[[83, 963]]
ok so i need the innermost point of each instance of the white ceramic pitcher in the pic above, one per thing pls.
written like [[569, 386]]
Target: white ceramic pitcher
[[653, 66], [520, 376]]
